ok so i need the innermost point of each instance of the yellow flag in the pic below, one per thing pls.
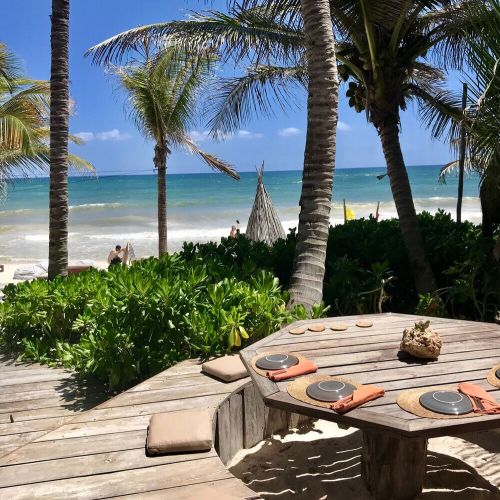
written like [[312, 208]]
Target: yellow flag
[[349, 214]]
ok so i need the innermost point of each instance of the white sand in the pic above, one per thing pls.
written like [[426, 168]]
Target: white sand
[[323, 461]]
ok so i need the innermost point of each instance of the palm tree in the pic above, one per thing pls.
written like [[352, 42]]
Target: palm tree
[[319, 157], [481, 122], [59, 133], [162, 92], [384, 50], [24, 131]]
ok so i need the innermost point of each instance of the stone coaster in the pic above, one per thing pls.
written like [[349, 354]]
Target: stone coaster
[[338, 327], [316, 327], [299, 330], [364, 323]]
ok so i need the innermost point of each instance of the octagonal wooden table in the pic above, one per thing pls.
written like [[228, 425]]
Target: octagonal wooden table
[[394, 441]]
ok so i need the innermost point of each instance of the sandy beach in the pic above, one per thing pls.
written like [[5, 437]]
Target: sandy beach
[[322, 461]]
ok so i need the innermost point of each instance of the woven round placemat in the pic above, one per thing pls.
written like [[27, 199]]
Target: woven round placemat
[[492, 378], [337, 327], [265, 372], [364, 323], [409, 401], [297, 388]]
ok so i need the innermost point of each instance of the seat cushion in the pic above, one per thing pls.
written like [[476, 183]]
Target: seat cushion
[[180, 431], [227, 368]]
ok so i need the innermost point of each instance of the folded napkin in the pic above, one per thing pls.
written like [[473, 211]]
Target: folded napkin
[[360, 396], [302, 368], [482, 402]]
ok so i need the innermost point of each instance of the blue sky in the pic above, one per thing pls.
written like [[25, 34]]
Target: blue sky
[[114, 146]]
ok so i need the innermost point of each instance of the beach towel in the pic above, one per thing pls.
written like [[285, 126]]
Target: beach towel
[[482, 402], [303, 368], [360, 396]]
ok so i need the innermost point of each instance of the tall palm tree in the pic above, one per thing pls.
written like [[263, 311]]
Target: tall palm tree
[[482, 120], [384, 50], [319, 157], [162, 92], [59, 134]]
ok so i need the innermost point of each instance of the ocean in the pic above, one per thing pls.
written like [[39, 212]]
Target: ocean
[[112, 210]]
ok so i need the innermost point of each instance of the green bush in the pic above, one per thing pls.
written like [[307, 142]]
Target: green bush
[[367, 268], [128, 323]]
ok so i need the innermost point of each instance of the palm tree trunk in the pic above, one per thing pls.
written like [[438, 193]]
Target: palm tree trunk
[[160, 161], [401, 192], [59, 118], [319, 157]]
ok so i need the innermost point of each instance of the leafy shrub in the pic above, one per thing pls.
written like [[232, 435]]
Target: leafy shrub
[[128, 323], [367, 268]]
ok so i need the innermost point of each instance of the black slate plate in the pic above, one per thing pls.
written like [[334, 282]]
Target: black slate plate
[[497, 373], [276, 361], [329, 390], [446, 402]]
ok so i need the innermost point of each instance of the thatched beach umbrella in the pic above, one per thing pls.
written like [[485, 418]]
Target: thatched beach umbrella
[[263, 224]]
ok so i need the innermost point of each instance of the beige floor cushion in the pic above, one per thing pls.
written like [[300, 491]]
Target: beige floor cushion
[[179, 431], [227, 368]]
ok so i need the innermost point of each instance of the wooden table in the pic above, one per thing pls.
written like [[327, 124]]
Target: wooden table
[[395, 441]]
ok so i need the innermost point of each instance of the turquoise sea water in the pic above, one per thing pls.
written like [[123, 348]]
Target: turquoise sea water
[[116, 209]]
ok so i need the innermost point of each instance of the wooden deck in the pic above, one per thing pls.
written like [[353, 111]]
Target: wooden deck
[[36, 399], [53, 450]]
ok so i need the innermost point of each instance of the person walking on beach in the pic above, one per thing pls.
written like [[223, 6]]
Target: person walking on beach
[[118, 255]]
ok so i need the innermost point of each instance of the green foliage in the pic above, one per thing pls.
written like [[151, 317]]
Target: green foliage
[[128, 323], [367, 270]]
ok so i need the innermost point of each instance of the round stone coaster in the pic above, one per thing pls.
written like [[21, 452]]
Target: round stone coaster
[[316, 327], [329, 390], [299, 330], [276, 361], [364, 323], [338, 327], [446, 402]]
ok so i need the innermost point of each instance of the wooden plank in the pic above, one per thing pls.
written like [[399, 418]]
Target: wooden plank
[[39, 451], [276, 421], [205, 386], [89, 465], [362, 344], [90, 424], [254, 419], [223, 441], [28, 378], [236, 420], [123, 482], [231, 487], [46, 424]]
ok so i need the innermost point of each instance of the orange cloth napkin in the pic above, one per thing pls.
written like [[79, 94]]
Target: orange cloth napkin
[[360, 396], [490, 405], [302, 368]]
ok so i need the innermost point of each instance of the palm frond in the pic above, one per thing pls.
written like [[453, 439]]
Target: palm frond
[[254, 94], [212, 161]]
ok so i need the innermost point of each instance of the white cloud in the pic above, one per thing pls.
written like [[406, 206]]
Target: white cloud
[[198, 136], [112, 135], [289, 132], [343, 126], [85, 136], [108, 135], [246, 134]]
